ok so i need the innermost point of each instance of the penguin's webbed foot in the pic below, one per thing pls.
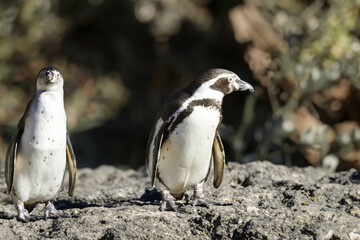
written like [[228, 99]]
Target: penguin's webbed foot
[[198, 198], [23, 214], [168, 202], [199, 201], [51, 212]]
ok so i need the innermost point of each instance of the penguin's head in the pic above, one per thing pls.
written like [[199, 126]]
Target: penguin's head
[[226, 81], [49, 79], [218, 81]]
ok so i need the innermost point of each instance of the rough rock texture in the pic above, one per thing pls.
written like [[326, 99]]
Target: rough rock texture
[[259, 201]]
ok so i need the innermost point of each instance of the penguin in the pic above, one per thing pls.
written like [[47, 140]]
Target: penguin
[[184, 142], [40, 150]]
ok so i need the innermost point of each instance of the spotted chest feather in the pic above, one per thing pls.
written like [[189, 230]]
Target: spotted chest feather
[[41, 157]]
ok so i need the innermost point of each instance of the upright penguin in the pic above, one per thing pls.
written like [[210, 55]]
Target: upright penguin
[[184, 140], [40, 149]]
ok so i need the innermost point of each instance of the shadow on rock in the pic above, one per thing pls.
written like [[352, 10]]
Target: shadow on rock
[[66, 204], [4, 215]]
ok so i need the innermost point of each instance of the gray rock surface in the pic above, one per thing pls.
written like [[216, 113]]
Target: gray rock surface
[[259, 201]]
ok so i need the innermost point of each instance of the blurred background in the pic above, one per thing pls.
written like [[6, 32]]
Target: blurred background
[[122, 59]]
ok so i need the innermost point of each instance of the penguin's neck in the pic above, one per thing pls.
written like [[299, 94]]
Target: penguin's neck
[[49, 102], [205, 91], [56, 91]]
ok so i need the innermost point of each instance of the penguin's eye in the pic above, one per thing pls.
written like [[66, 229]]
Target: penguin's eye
[[232, 79]]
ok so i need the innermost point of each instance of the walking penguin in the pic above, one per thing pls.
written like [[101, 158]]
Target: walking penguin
[[184, 141]]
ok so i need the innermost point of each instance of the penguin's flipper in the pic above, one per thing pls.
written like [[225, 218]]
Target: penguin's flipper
[[11, 158], [158, 141], [71, 164], [11, 153], [219, 160]]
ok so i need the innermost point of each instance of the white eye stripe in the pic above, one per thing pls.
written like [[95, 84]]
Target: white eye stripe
[[232, 78]]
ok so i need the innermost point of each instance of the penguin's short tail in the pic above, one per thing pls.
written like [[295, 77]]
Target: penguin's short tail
[[30, 206]]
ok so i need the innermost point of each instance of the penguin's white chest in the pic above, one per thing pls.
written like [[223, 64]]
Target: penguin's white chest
[[185, 157], [41, 157]]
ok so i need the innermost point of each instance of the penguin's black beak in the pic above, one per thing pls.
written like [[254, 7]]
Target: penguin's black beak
[[50, 76], [243, 86]]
